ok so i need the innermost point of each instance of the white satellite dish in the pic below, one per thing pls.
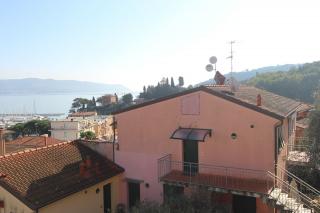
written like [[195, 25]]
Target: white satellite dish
[[209, 67], [213, 59]]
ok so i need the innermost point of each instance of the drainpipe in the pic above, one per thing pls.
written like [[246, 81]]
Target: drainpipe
[[276, 147]]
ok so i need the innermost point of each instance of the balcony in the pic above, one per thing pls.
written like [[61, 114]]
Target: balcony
[[298, 154], [216, 178]]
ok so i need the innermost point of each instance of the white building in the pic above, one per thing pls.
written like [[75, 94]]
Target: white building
[[67, 130]]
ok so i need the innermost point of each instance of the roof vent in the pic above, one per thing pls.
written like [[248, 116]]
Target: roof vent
[[259, 100]]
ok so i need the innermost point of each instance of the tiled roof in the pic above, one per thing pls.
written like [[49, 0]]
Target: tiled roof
[[81, 114], [272, 105], [28, 142], [271, 102], [41, 176], [305, 107]]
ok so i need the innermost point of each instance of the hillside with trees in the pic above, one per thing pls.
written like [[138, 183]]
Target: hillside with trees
[[163, 88], [299, 83], [247, 74]]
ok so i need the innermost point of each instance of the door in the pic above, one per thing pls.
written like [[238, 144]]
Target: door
[[134, 193], [107, 198], [242, 204], [190, 157]]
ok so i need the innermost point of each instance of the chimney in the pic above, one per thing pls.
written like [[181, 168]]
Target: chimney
[[259, 100], [88, 162], [82, 171], [85, 167], [45, 136], [97, 168]]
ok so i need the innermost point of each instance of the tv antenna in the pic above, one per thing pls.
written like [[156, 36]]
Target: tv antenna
[[231, 57]]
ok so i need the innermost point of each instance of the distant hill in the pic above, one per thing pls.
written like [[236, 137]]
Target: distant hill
[[299, 83], [50, 86], [245, 75]]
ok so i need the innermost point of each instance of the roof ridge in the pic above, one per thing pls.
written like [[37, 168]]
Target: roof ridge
[[35, 149]]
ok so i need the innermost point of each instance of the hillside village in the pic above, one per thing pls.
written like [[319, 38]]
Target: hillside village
[[219, 147]]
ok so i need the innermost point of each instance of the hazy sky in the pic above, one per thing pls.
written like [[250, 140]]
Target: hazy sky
[[136, 42]]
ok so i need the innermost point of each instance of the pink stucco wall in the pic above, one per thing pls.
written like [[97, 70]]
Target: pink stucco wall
[[143, 136]]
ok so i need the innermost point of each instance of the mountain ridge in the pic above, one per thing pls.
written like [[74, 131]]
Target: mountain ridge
[[49, 86], [246, 75]]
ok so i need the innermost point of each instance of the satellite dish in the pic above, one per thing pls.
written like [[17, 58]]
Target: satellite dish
[[213, 59], [209, 67]]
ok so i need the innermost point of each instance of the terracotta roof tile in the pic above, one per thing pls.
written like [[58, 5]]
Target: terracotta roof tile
[[44, 175], [273, 105], [271, 102], [81, 114], [28, 142]]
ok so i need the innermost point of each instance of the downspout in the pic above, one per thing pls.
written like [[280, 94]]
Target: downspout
[[276, 147]]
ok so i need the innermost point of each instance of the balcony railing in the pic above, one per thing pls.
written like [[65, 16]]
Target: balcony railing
[[219, 177], [298, 153]]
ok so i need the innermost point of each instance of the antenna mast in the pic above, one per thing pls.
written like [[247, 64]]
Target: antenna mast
[[231, 57]]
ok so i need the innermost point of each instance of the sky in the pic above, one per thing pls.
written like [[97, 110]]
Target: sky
[[137, 42]]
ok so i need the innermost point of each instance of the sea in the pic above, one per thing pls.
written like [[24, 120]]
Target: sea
[[41, 103]]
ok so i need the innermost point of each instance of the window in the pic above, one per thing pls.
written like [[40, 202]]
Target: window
[[291, 124], [190, 105]]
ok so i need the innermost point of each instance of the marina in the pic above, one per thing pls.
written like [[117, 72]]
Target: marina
[[8, 120]]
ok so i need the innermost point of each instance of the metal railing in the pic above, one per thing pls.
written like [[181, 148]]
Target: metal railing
[[231, 178], [302, 186], [303, 140], [298, 153], [299, 147], [291, 197]]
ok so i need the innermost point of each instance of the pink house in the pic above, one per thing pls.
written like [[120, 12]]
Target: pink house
[[231, 143]]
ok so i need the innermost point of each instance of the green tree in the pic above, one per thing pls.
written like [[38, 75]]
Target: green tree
[[93, 101], [80, 103], [88, 135], [18, 129], [181, 81], [33, 127], [311, 173], [172, 82], [298, 83], [127, 98]]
